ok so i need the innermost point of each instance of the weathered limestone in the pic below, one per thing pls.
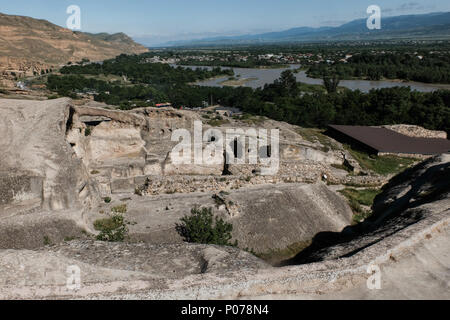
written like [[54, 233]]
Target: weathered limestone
[[57, 159], [119, 146], [40, 173], [264, 217], [34, 143], [62, 157], [17, 189], [417, 194], [413, 260], [417, 131]]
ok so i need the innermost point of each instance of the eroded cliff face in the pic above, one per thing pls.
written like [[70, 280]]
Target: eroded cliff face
[[36, 155], [44, 187], [134, 150], [120, 146]]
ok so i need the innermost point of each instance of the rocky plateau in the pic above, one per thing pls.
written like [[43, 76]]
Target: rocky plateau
[[60, 161]]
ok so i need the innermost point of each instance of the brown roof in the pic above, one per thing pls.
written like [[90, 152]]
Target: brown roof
[[385, 140]]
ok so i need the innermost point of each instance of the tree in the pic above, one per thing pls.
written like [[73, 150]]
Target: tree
[[111, 229], [200, 227], [331, 83], [288, 83]]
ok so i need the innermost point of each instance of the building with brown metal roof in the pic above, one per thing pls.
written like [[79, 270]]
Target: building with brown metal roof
[[381, 140]]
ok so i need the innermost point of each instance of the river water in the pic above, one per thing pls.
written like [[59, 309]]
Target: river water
[[267, 76]]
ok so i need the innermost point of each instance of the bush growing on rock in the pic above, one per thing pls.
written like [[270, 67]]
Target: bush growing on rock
[[122, 209], [201, 227], [111, 229]]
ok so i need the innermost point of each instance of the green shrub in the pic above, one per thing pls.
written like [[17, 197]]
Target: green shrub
[[119, 209], [107, 199], [217, 122], [111, 229], [201, 227], [88, 131]]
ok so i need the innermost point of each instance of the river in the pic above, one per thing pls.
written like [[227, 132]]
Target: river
[[267, 76]]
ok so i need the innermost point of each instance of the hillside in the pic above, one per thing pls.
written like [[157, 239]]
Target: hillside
[[423, 26], [28, 44]]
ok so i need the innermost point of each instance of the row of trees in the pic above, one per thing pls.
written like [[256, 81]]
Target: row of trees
[[282, 100], [428, 68], [134, 69]]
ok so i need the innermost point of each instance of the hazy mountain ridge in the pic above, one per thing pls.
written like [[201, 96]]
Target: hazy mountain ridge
[[431, 25]]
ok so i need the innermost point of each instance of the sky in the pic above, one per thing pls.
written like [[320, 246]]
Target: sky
[[155, 22]]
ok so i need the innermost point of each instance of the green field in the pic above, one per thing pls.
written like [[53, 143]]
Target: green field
[[384, 165]]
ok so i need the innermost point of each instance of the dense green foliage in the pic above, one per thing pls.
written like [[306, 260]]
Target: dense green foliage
[[282, 100], [137, 70], [200, 227], [429, 68], [143, 84], [384, 106], [106, 92]]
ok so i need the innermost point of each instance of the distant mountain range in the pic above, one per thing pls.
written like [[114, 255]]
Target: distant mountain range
[[421, 26]]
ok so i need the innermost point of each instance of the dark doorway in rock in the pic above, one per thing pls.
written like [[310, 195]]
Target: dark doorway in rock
[[265, 152], [226, 167], [237, 149]]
